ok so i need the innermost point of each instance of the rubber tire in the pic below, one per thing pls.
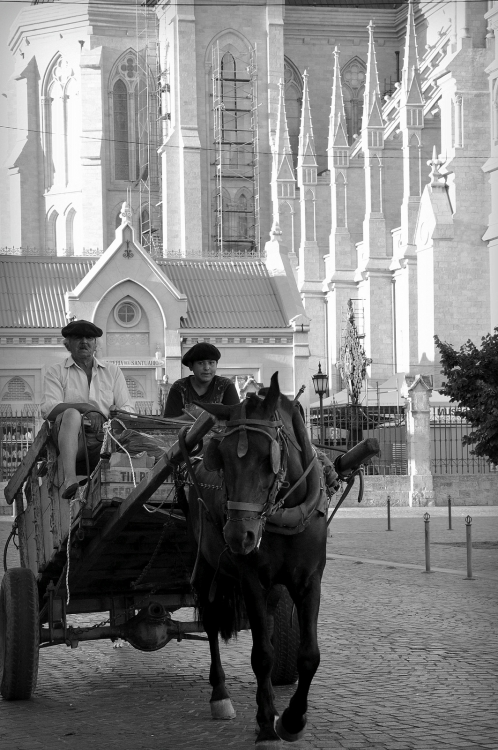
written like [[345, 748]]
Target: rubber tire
[[19, 634], [285, 641]]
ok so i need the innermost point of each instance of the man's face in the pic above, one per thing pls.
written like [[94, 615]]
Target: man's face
[[81, 347], [204, 370]]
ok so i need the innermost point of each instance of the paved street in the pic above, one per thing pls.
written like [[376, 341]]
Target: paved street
[[409, 660]]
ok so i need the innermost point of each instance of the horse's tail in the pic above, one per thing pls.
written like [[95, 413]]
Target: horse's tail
[[218, 598]]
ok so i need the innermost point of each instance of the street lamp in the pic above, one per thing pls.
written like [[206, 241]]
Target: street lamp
[[321, 384]]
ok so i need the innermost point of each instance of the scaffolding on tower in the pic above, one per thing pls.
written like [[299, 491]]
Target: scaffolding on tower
[[236, 154], [148, 114]]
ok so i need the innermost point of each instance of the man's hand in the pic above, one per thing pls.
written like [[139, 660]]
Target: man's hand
[[96, 420]]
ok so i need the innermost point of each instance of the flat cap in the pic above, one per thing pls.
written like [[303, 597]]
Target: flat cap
[[82, 328], [200, 352]]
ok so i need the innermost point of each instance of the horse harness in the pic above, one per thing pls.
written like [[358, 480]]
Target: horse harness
[[279, 452]]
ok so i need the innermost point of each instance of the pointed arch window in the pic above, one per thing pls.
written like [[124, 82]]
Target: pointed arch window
[[293, 104], [235, 117], [121, 131], [130, 114], [17, 390], [61, 131], [51, 233], [134, 388], [353, 76], [70, 217]]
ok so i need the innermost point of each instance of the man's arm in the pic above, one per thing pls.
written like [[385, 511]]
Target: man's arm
[[121, 394], [62, 407]]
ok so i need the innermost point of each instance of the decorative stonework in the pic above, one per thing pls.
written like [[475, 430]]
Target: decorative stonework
[[286, 340], [127, 339]]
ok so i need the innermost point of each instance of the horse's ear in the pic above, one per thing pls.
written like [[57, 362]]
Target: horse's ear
[[212, 456], [220, 411], [271, 398]]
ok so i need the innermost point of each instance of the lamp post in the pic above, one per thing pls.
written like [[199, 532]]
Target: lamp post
[[320, 384]]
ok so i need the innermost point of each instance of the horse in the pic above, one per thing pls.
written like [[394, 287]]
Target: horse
[[259, 528]]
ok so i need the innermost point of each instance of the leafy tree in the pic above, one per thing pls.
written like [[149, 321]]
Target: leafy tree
[[472, 381]]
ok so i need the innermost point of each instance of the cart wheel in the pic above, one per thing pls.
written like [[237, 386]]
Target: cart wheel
[[19, 634], [285, 640]]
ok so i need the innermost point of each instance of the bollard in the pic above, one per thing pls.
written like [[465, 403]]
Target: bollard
[[389, 513], [449, 513], [468, 529], [427, 544]]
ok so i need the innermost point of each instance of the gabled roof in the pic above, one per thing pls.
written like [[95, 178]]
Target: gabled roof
[[32, 289], [221, 294], [226, 294]]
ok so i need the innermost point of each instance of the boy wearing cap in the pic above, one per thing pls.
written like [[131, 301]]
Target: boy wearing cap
[[203, 385], [75, 386]]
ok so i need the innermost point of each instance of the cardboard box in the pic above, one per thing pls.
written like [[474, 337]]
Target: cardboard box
[[113, 489], [141, 461]]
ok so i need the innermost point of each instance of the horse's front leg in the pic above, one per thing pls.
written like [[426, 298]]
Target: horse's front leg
[[262, 663], [221, 705], [292, 723]]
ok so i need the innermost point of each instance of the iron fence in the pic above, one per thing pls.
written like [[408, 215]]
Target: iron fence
[[18, 430], [347, 425], [448, 453]]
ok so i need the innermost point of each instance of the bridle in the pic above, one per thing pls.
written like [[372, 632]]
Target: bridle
[[279, 452]]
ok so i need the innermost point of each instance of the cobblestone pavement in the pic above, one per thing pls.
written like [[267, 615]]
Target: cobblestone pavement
[[409, 660]]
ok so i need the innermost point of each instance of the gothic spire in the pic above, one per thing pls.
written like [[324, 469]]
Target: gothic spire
[[372, 107], [411, 89], [306, 156], [337, 121], [283, 154]]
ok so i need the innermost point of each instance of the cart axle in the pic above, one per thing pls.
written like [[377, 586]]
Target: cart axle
[[151, 629]]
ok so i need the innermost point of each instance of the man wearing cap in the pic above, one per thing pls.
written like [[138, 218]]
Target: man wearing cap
[[74, 387], [203, 385]]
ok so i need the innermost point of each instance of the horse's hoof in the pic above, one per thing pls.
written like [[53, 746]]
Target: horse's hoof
[[289, 736], [222, 710]]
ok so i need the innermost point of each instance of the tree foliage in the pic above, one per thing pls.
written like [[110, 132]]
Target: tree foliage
[[472, 381]]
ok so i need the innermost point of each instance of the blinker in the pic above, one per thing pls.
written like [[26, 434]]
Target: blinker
[[275, 456], [243, 445]]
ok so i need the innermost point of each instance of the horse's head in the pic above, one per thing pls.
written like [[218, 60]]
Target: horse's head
[[251, 454]]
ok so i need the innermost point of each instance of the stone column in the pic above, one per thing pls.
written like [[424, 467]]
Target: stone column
[[418, 438], [92, 191]]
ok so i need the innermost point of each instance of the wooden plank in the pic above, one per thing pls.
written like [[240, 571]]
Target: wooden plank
[[140, 494], [30, 540], [46, 522], [50, 480], [35, 501], [29, 460]]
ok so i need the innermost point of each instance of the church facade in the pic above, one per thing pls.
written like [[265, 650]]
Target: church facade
[[284, 166]]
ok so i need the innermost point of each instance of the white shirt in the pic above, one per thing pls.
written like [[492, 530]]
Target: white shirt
[[67, 383]]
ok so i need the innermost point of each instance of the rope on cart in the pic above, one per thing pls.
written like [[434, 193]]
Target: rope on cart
[[108, 434]]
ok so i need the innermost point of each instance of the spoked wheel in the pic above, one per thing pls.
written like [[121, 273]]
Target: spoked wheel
[[285, 640], [19, 634]]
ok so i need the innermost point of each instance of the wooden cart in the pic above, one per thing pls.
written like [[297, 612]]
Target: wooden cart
[[119, 549]]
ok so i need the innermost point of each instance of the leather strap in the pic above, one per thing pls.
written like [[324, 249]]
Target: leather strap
[[245, 506]]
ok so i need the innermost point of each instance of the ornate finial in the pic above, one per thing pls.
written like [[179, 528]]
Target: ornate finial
[[70, 316], [275, 231], [125, 214], [435, 164]]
